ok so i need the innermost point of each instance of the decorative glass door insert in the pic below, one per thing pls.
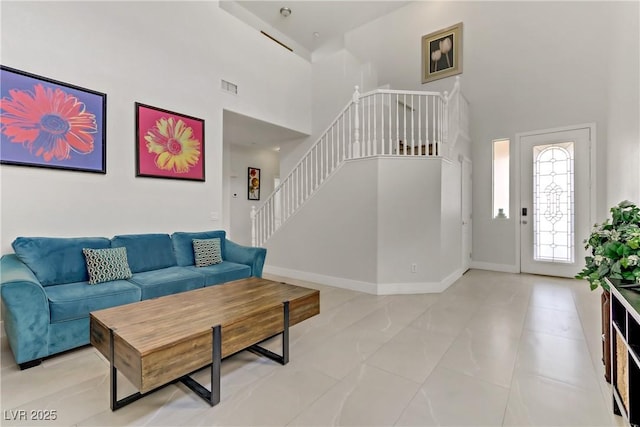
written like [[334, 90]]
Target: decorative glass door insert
[[553, 203]]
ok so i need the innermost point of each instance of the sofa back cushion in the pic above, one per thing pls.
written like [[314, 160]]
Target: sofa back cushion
[[57, 260], [183, 244], [146, 252]]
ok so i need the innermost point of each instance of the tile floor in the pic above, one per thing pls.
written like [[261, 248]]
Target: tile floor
[[494, 349]]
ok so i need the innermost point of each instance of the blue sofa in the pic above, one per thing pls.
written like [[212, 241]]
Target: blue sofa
[[46, 298]]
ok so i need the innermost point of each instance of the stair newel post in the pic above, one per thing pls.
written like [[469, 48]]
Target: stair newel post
[[253, 225], [356, 124]]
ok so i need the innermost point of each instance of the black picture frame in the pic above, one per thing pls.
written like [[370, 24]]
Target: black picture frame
[[47, 123], [169, 145], [253, 183]]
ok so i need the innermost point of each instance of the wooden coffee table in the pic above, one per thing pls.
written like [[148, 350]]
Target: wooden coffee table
[[161, 341]]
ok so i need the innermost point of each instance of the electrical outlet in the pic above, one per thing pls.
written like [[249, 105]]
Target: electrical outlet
[[414, 268], [213, 216]]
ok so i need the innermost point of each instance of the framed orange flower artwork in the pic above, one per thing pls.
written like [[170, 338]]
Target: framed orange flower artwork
[[254, 183], [169, 144], [50, 124]]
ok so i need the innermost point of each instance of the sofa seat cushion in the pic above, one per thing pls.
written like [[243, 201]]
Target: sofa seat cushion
[[226, 271], [76, 300], [57, 260], [166, 281]]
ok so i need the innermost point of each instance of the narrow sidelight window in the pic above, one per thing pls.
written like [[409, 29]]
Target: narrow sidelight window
[[501, 178]]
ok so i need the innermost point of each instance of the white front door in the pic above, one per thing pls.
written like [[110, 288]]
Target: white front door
[[555, 208]]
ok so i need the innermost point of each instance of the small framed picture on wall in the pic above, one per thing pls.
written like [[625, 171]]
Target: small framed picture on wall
[[253, 177], [442, 53]]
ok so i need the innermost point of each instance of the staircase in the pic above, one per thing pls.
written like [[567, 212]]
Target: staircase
[[376, 123]]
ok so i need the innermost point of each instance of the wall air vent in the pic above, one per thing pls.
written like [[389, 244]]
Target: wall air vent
[[229, 87], [277, 41]]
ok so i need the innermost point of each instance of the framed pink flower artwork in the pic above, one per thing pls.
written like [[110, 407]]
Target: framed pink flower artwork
[[168, 144], [50, 124]]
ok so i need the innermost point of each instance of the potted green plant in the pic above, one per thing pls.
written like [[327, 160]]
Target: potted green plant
[[615, 248], [615, 253]]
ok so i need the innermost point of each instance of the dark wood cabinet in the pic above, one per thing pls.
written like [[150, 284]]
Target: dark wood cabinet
[[625, 351]]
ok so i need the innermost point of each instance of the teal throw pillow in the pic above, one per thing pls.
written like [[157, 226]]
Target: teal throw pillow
[[105, 265], [207, 252]]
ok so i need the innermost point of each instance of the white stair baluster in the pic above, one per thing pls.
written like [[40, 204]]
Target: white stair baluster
[[344, 139], [404, 124], [357, 133], [420, 126], [356, 125], [426, 121], [375, 122], [413, 140], [435, 121], [391, 144], [368, 127], [334, 149], [397, 107]]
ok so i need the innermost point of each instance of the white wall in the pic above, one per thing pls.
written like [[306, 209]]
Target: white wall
[[334, 79], [167, 54], [241, 158], [526, 66], [408, 220], [623, 130], [366, 226], [335, 233], [451, 219]]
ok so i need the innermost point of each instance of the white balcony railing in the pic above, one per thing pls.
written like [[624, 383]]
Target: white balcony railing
[[377, 123]]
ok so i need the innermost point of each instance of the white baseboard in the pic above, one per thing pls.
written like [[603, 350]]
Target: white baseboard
[[505, 268], [451, 279], [419, 288], [338, 282], [367, 287]]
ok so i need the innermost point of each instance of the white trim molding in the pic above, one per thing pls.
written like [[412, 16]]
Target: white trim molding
[[367, 287], [504, 268]]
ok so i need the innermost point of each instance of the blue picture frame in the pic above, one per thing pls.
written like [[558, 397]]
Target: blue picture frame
[[50, 124]]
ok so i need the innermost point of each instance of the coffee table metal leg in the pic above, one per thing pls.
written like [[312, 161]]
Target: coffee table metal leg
[[285, 335], [216, 361], [115, 403], [213, 396], [284, 358]]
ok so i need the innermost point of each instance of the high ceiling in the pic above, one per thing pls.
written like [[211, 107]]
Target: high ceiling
[[329, 19]]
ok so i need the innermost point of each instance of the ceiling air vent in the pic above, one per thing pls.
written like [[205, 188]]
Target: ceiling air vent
[[277, 41], [228, 87]]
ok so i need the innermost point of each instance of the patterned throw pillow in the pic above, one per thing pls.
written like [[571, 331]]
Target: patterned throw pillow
[[105, 265], [207, 252]]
